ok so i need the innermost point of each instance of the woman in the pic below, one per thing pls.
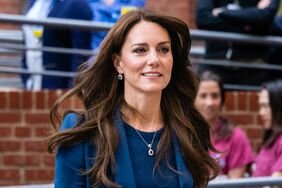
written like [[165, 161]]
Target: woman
[[235, 152], [139, 127], [268, 161]]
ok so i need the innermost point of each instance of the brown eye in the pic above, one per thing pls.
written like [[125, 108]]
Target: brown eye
[[139, 50], [164, 50]]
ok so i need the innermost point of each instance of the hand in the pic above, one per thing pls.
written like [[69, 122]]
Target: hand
[[217, 11], [263, 4]]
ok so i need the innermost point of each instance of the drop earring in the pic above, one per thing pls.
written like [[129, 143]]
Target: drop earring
[[120, 76]]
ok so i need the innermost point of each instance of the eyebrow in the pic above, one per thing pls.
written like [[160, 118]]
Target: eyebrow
[[144, 44]]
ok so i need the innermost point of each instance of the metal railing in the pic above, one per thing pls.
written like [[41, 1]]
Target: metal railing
[[101, 26], [225, 183], [98, 26], [246, 182]]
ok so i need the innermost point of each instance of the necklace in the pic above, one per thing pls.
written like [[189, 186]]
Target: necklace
[[150, 151]]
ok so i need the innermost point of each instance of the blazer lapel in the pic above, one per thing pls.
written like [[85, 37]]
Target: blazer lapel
[[124, 172], [185, 178]]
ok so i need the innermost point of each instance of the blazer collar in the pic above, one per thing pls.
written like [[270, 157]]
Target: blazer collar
[[124, 171]]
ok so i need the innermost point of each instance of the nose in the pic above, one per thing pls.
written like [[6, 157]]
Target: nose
[[153, 58], [209, 101]]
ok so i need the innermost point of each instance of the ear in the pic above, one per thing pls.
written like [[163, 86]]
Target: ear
[[117, 63]]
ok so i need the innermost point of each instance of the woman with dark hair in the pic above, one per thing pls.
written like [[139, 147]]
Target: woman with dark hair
[[269, 161], [139, 126], [235, 152]]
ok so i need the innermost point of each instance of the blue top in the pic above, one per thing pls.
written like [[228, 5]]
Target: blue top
[[110, 14], [70, 161], [143, 163]]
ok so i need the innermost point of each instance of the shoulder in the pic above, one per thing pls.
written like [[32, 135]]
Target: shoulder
[[278, 141], [238, 133], [239, 137], [69, 121]]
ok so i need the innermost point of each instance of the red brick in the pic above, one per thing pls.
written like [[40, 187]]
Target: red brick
[[39, 174], [27, 99], [10, 146], [242, 101], [49, 160], [38, 146], [15, 100], [9, 174], [23, 131], [3, 100], [42, 131], [5, 132], [10, 117], [37, 118], [229, 101], [254, 133], [32, 160], [254, 101], [40, 100], [242, 119], [52, 96], [21, 160], [14, 160]]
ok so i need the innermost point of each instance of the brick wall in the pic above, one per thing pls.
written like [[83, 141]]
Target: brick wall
[[10, 7], [24, 123]]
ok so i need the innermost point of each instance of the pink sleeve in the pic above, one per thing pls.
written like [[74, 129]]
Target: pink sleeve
[[277, 166], [240, 153]]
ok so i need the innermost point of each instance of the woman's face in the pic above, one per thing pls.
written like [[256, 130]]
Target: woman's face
[[146, 59], [208, 100], [264, 109]]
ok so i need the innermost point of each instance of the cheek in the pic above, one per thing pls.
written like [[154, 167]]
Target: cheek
[[199, 103], [131, 65]]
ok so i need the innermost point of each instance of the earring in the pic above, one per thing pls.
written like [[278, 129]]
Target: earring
[[120, 76]]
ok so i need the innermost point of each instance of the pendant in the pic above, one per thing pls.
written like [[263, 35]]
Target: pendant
[[150, 152]]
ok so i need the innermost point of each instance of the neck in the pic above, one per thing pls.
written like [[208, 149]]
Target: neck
[[147, 116]]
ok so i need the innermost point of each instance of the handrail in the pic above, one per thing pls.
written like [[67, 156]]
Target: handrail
[[230, 183], [19, 48], [94, 26], [236, 37], [56, 22], [227, 63], [11, 70], [245, 182]]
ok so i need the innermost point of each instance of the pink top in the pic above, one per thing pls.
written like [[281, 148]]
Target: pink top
[[269, 160], [237, 151]]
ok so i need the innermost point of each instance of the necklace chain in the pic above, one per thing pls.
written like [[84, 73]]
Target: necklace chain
[[150, 151]]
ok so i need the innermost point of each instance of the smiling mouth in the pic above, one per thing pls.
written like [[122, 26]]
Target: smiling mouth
[[151, 74]]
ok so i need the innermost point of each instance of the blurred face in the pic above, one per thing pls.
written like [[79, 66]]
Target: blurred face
[[208, 100], [264, 109], [146, 59]]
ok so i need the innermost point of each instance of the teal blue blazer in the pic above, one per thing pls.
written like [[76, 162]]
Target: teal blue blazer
[[71, 161]]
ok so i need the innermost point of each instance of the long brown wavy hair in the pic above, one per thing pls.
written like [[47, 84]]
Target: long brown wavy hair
[[100, 91]]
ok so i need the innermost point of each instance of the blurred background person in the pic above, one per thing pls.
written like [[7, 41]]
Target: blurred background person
[[269, 159], [109, 11], [238, 16], [33, 39], [65, 38], [235, 152]]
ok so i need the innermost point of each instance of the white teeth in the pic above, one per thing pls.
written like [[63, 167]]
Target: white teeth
[[152, 74]]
